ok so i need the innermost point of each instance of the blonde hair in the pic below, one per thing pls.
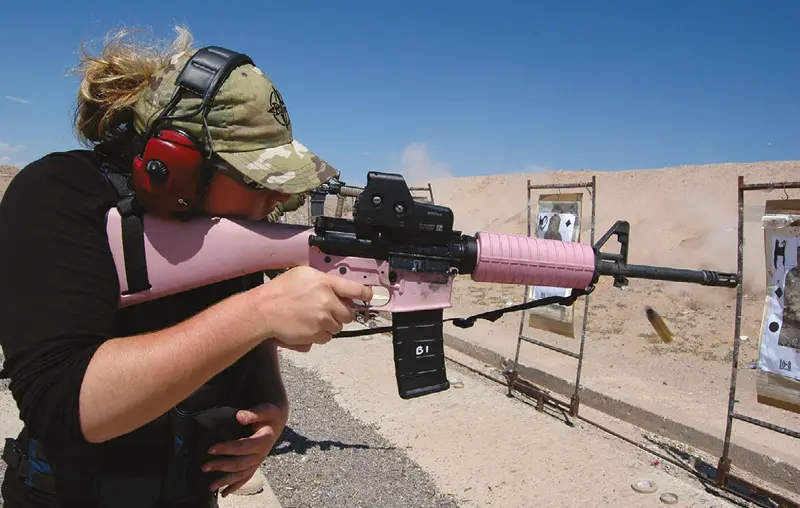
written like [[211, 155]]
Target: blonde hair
[[112, 81]]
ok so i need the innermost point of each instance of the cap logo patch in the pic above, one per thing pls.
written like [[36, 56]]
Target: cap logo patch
[[278, 108]]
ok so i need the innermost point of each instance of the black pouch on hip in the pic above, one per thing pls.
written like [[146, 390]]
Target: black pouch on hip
[[193, 434]]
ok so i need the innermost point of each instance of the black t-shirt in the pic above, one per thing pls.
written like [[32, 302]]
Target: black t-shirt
[[59, 295]]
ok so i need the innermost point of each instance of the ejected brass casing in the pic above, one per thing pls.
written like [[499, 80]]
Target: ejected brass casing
[[659, 325]]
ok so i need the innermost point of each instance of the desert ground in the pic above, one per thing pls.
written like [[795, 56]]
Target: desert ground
[[683, 217]]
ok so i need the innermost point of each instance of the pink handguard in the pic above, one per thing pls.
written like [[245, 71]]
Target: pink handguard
[[512, 259]]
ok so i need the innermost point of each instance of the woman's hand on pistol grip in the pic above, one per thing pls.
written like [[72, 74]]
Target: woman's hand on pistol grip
[[305, 306]]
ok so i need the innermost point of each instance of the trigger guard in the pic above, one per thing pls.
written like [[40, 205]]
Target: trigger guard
[[383, 281]]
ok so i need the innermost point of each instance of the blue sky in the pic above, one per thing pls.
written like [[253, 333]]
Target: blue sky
[[465, 88]]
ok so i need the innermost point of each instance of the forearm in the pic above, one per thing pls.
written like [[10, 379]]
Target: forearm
[[267, 382], [131, 381]]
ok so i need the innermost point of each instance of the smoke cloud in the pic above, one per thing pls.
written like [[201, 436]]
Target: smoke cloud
[[418, 168]]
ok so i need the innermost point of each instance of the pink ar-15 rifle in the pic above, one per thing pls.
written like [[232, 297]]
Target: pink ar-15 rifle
[[406, 246]]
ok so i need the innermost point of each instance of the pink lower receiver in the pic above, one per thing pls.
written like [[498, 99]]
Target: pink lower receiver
[[512, 259], [204, 250]]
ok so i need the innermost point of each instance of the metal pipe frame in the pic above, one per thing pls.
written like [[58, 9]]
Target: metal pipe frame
[[724, 465], [574, 403], [549, 346], [428, 188]]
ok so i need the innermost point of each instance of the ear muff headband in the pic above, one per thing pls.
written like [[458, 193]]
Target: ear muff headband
[[169, 171]]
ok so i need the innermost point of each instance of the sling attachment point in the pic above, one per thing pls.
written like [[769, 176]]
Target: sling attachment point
[[131, 214]]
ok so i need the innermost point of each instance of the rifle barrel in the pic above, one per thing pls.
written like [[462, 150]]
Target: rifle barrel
[[702, 277]]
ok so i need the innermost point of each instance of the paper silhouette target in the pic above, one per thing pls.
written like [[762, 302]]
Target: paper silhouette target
[[556, 226], [780, 344], [558, 218]]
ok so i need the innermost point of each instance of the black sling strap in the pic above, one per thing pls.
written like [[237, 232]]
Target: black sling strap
[[132, 230]]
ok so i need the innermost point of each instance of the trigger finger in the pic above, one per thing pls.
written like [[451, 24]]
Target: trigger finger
[[346, 313], [341, 311]]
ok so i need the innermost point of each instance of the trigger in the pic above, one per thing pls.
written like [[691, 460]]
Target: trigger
[[380, 297], [360, 304], [362, 311]]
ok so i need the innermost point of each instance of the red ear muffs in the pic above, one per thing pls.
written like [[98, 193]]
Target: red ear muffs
[[167, 176]]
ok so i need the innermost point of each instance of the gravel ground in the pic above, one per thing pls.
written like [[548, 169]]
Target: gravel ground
[[326, 457]]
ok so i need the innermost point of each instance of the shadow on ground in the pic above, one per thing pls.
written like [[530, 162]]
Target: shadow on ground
[[706, 473], [291, 441]]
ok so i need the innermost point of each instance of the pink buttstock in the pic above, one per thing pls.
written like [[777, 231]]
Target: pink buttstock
[[186, 255], [513, 259]]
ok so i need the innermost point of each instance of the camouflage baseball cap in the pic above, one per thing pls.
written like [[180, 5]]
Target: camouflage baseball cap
[[249, 127]]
